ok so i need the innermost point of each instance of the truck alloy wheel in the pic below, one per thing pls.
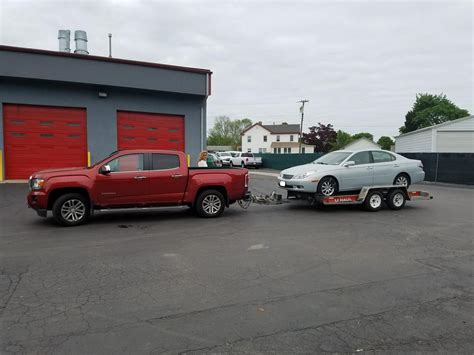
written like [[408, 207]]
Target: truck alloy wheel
[[210, 204], [71, 209]]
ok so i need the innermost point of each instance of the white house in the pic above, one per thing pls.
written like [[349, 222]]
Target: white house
[[362, 143], [282, 138], [449, 137]]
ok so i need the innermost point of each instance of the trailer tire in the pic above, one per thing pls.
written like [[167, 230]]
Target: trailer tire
[[396, 199], [374, 201], [210, 204]]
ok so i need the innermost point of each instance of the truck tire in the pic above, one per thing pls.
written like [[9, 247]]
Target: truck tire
[[71, 210], [374, 201], [396, 199], [210, 204]]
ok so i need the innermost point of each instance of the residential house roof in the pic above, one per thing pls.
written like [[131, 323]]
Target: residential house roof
[[283, 128]]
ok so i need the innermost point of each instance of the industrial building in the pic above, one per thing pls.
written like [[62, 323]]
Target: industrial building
[[61, 109]]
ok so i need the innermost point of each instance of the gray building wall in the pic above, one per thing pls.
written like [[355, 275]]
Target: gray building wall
[[102, 112]]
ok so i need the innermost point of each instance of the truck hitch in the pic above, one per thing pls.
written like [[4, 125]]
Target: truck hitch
[[272, 199]]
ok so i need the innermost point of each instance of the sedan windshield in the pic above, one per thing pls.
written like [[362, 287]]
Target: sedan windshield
[[334, 158]]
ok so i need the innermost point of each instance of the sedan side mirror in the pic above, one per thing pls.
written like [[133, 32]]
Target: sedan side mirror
[[349, 163], [105, 170]]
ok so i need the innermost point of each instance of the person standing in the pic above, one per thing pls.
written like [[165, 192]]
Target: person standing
[[202, 161]]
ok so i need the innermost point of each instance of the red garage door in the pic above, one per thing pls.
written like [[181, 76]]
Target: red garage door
[[150, 131], [43, 137]]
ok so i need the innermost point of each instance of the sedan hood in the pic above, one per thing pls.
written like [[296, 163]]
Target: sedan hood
[[302, 169]]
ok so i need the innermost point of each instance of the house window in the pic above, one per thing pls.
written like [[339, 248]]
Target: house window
[[264, 138], [249, 139], [264, 150], [303, 150], [287, 150], [278, 138], [291, 138], [260, 150], [249, 150]]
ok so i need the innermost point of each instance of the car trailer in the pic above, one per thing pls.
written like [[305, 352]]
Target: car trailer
[[372, 198]]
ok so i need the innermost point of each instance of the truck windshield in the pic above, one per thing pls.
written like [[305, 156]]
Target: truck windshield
[[334, 158]]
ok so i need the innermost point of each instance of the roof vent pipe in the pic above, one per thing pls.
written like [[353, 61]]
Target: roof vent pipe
[[80, 37], [64, 37]]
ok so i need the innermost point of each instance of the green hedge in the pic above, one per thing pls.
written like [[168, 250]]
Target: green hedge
[[284, 161]]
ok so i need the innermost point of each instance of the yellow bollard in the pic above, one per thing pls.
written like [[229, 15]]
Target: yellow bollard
[[88, 159], [189, 160]]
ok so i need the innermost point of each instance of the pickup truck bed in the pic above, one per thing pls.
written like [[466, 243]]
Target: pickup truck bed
[[135, 178]]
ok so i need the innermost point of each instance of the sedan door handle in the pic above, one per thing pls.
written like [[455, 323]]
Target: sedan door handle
[[396, 166], [139, 177], [176, 176], [370, 167]]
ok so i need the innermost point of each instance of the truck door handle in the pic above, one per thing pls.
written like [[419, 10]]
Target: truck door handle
[[176, 176], [139, 177]]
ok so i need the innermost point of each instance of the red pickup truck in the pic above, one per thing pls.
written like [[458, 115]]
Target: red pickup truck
[[135, 178]]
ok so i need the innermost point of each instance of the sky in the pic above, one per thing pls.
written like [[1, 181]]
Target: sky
[[359, 63]]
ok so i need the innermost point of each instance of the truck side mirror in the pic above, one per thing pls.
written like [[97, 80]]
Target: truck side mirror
[[105, 170], [349, 163]]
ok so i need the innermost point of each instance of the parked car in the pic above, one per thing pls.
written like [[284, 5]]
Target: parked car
[[213, 161], [351, 170], [246, 160], [225, 158], [134, 178]]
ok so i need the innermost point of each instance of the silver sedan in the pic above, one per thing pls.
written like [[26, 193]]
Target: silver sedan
[[344, 170]]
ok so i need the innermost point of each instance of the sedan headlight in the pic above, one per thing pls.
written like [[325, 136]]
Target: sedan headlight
[[303, 176], [36, 184]]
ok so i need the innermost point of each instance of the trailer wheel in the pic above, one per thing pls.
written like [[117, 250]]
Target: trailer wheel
[[210, 204], [374, 201], [396, 199]]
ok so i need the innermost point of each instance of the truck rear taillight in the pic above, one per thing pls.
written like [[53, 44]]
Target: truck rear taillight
[[246, 180]]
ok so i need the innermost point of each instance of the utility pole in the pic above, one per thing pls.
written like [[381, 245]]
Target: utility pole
[[302, 118], [110, 45]]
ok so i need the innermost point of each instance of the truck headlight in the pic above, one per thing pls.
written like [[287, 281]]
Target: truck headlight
[[36, 184], [303, 176]]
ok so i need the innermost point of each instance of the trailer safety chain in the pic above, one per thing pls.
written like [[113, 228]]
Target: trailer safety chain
[[272, 199]]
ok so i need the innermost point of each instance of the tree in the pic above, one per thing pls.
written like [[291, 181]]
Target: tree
[[385, 142], [342, 139], [227, 132], [321, 136], [360, 135], [429, 110]]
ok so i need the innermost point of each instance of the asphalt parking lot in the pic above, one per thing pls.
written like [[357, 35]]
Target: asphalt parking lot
[[285, 278]]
